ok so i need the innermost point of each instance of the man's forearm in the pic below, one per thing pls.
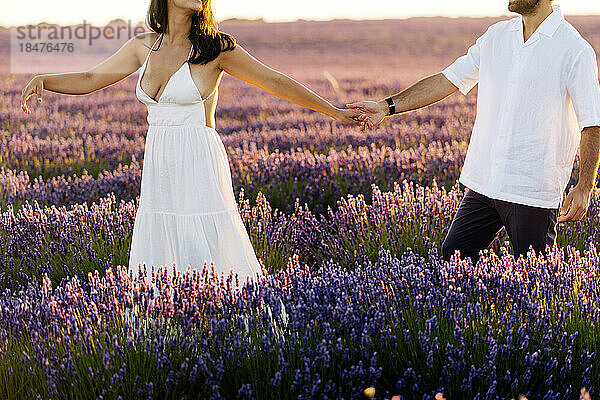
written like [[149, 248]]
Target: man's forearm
[[589, 156], [423, 93]]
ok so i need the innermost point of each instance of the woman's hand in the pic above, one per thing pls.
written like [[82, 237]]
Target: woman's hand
[[347, 116], [36, 85]]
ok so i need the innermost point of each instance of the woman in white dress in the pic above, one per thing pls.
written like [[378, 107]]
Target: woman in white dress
[[187, 212]]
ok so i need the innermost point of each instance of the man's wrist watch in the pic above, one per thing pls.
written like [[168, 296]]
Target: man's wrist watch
[[391, 106]]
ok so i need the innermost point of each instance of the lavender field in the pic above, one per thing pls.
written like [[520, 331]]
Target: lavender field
[[348, 224]]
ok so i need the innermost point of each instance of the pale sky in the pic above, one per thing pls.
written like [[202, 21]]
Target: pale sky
[[99, 12]]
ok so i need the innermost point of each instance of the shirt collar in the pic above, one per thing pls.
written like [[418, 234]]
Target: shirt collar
[[547, 27]]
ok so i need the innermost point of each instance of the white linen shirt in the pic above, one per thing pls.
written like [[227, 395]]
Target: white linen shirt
[[534, 99]]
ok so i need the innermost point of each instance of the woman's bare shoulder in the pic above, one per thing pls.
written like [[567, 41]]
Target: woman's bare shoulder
[[146, 38], [143, 43]]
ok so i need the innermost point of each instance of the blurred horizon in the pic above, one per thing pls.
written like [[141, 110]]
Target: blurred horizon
[[65, 12]]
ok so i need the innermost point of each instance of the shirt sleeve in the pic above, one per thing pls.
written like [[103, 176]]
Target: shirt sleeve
[[464, 72], [584, 89]]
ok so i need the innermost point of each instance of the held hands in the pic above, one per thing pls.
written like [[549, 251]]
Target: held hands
[[371, 112], [36, 85], [347, 116], [575, 204]]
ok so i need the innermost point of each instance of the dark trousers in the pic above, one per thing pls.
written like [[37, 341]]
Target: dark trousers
[[479, 219]]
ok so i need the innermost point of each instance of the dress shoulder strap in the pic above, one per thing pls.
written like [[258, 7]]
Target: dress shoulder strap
[[150, 51], [190, 53]]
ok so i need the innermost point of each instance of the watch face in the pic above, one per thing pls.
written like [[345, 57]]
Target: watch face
[[391, 105]]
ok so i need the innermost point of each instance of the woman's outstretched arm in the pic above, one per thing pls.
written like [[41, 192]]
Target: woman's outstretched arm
[[118, 66], [242, 65]]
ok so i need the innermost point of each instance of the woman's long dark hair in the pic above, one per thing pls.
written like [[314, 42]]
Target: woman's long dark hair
[[208, 42]]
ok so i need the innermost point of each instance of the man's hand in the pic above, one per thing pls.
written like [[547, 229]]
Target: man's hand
[[372, 113], [575, 204]]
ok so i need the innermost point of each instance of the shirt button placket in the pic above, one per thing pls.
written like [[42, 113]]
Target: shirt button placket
[[500, 148]]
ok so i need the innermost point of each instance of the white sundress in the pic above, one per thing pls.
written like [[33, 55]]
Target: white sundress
[[187, 211]]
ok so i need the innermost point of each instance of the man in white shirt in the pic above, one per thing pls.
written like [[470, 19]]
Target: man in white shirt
[[538, 102]]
